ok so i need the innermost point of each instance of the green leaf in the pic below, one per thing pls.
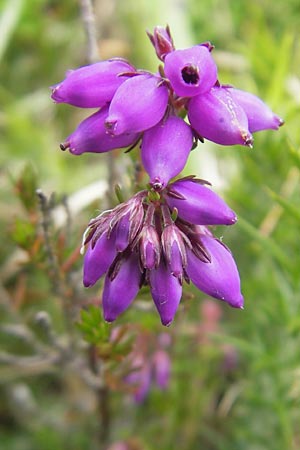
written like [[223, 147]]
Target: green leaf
[[92, 326]]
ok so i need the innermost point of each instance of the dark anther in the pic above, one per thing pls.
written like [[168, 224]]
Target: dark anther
[[190, 74], [63, 146]]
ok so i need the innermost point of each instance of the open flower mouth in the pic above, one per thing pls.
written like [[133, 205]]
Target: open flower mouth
[[190, 74]]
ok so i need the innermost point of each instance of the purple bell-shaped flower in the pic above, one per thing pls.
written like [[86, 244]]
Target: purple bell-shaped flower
[[98, 258], [165, 149], [121, 286], [92, 86], [92, 136], [166, 292], [216, 116], [191, 71], [260, 116], [198, 204], [138, 104], [219, 277]]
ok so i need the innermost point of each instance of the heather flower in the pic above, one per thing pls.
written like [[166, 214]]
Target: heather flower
[[138, 104], [166, 292], [219, 278], [144, 243], [217, 117], [198, 204], [92, 86], [121, 286], [260, 116], [92, 136], [165, 149], [191, 71], [98, 259]]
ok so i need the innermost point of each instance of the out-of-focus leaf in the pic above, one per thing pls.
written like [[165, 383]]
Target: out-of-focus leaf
[[26, 186], [267, 243], [9, 19], [289, 208], [23, 233], [94, 329]]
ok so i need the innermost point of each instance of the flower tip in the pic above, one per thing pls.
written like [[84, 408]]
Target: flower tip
[[111, 125], [280, 121], [156, 184], [247, 139], [239, 303], [55, 94], [210, 47], [108, 317], [87, 283], [166, 322], [233, 218], [64, 146]]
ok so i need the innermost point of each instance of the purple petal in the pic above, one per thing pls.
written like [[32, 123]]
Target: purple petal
[[217, 117], [220, 277], [91, 86], [122, 233], [98, 259], [200, 204], [121, 291], [260, 116], [139, 104], [91, 136], [166, 292], [165, 149], [191, 71]]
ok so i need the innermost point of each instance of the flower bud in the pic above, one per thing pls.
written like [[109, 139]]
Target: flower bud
[[191, 71], [219, 277], [138, 104], [91, 86], [198, 204], [173, 244], [91, 136], [260, 116], [165, 149], [149, 247], [162, 41], [216, 116]]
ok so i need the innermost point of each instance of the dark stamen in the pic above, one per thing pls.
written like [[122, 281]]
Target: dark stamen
[[190, 74]]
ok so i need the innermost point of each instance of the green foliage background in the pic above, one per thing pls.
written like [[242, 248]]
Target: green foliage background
[[255, 406]]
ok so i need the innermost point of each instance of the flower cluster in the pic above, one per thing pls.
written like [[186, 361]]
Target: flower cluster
[[159, 237], [138, 106]]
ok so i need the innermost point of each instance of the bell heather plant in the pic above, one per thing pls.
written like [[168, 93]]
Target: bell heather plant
[[160, 237]]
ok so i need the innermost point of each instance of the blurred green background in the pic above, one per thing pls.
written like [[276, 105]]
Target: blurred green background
[[238, 389]]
